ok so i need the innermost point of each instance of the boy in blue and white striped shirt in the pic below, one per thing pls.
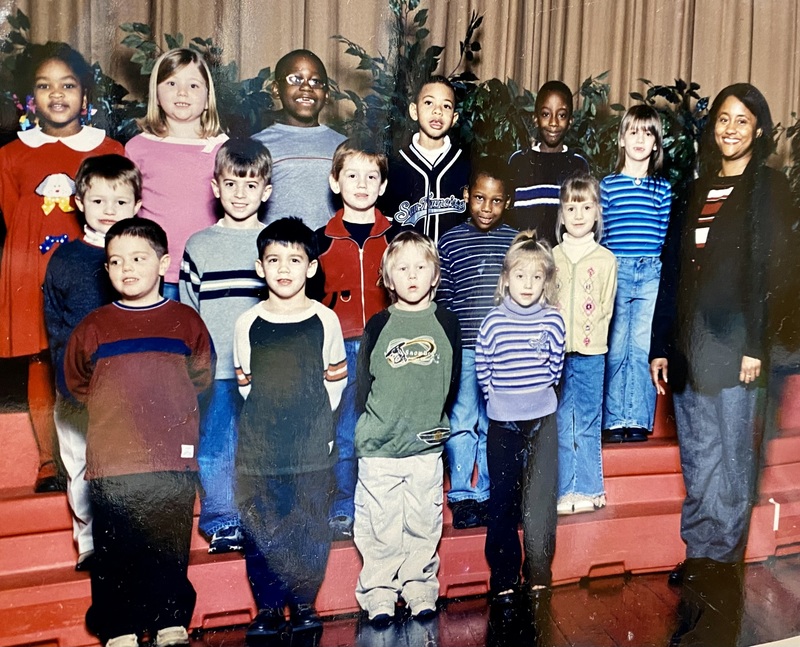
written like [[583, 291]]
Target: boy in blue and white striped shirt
[[472, 259], [218, 279]]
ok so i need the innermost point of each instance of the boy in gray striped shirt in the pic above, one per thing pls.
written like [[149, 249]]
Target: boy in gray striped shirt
[[218, 279]]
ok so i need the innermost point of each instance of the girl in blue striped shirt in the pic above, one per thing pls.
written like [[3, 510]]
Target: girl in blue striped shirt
[[636, 202], [519, 355]]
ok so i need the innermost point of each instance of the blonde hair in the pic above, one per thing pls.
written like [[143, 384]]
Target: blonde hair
[[168, 64], [410, 237], [581, 187], [528, 248]]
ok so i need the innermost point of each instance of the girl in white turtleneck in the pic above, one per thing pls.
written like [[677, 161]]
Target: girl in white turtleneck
[[586, 281]]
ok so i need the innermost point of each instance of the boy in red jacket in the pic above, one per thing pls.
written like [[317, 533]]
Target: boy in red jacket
[[351, 246]]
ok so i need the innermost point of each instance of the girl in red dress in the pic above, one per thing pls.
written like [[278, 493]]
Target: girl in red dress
[[36, 199]]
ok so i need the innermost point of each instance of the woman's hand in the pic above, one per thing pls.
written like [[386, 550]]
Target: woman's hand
[[751, 369], [659, 365]]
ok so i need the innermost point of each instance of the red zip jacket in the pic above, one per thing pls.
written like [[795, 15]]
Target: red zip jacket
[[352, 272]]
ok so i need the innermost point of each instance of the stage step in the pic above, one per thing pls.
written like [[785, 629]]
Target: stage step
[[43, 600]]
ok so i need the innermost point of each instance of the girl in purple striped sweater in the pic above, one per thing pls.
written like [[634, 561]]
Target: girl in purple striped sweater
[[519, 355]]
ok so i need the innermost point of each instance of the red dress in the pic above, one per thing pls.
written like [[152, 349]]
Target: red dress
[[36, 198]]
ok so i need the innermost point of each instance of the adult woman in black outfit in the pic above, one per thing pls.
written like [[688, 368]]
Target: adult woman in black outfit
[[710, 329]]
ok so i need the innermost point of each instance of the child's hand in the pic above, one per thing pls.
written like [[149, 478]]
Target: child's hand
[[659, 364], [751, 369]]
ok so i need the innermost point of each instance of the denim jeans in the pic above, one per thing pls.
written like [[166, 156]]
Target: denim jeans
[[216, 456], [630, 399], [719, 463], [170, 291], [580, 460], [346, 469], [466, 446]]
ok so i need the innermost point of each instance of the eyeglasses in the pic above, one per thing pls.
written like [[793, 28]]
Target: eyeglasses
[[314, 83]]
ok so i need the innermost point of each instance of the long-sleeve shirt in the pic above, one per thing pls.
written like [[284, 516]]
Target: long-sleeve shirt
[[301, 164], [291, 370], [176, 187], [409, 366], [75, 284], [586, 290], [219, 280], [139, 371], [538, 178], [519, 356], [471, 264], [635, 214]]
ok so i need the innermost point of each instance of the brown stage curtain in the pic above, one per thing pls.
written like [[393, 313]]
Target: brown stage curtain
[[712, 42]]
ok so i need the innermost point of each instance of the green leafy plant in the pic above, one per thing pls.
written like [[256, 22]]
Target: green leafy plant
[[683, 115]]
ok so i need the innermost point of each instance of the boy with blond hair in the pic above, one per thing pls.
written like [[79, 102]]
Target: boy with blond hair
[[408, 373]]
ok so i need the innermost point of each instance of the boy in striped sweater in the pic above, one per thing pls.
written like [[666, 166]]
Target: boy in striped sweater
[[472, 259], [219, 280]]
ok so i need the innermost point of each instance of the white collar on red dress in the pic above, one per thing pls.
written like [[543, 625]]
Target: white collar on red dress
[[85, 140]]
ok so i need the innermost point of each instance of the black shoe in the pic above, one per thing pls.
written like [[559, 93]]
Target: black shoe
[[635, 436], [507, 599], [675, 577], [614, 435], [49, 484], [381, 621], [305, 619], [85, 564], [466, 514], [342, 528], [268, 624]]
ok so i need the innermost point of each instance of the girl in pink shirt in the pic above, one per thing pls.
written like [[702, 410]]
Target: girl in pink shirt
[[176, 151]]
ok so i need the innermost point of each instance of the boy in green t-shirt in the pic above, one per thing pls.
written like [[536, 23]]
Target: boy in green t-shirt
[[408, 374]]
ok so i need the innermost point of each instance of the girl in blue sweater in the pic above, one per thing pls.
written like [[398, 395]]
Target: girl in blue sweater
[[519, 355], [636, 202]]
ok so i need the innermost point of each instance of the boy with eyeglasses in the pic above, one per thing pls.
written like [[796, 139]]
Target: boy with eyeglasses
[[301, 148]]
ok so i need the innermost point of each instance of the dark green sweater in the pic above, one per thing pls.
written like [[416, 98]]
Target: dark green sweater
[[408, 375]]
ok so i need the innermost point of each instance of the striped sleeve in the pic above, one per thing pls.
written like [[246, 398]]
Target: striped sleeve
[[558, 344], [189, 282], [241, 350], [334, 356], [483, 354]]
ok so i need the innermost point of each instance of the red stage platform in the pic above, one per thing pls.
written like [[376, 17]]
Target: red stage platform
[[43, 599]]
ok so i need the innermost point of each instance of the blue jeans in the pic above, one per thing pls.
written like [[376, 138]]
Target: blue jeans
[[580, 459], [346, 469], [216, 456], [170, 291], [466, 446], [719, 463], [630, 398]]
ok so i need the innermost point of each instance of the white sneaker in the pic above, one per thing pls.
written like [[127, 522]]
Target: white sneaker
[[565, 504], [583, 503], [599, 501], [127, 640], [172, 636]]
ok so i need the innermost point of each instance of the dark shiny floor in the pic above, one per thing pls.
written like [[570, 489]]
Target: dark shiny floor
[[637, 611]]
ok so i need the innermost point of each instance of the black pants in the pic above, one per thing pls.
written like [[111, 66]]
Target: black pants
[[523, 473], [142, 531], [287, 537]]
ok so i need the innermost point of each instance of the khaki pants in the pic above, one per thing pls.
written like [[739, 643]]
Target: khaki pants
[[398, 524]]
